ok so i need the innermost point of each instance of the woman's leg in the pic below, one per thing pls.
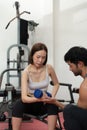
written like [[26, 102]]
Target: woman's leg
[[17, 114], [16, 123], [29, 108], [52, 121], [52, 116]]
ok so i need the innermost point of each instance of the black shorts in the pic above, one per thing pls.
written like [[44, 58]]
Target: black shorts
[[37, 109]]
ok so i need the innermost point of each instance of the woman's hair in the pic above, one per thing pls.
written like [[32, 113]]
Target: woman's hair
[[37, 47]]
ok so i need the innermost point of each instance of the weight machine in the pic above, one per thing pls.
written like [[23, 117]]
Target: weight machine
[[21, 47]]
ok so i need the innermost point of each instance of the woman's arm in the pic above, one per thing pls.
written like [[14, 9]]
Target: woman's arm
[[54, 79], [59, 104]]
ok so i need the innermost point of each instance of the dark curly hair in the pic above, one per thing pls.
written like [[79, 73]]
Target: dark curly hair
[[76, 54], [37, 47]]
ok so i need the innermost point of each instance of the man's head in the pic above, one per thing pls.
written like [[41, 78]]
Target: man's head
[[76, 57]]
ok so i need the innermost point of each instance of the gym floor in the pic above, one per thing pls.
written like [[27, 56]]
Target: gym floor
[[33, 124]]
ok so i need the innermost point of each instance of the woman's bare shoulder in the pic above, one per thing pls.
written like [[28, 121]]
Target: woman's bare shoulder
[[50, 68], [27, 69]]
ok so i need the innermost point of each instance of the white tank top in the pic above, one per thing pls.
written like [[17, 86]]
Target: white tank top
[[42, 85]]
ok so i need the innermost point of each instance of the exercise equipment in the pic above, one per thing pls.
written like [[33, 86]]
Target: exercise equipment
[[8, 94], [17, 63], [75, 90], [2, 117], [39, 93], [21, 47]]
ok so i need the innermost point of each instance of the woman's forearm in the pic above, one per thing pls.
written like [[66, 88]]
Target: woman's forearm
[[59, 104], [55, 90]]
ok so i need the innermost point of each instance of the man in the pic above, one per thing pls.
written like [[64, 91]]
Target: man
[[75, 116]]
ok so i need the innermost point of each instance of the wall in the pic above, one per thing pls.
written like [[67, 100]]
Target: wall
[[70, 29]]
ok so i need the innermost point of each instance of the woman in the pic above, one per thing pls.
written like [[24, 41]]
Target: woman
[[36, 76]]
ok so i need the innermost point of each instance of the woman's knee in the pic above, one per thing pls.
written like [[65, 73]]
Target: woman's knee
[[17, 109]]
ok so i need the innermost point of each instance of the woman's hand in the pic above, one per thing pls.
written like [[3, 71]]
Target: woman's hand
[[45, 98]]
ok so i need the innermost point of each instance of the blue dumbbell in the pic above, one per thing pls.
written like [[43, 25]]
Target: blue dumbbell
[[39, 93], [48, 94]]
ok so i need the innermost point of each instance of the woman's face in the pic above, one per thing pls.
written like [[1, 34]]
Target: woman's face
[[39, 58]]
